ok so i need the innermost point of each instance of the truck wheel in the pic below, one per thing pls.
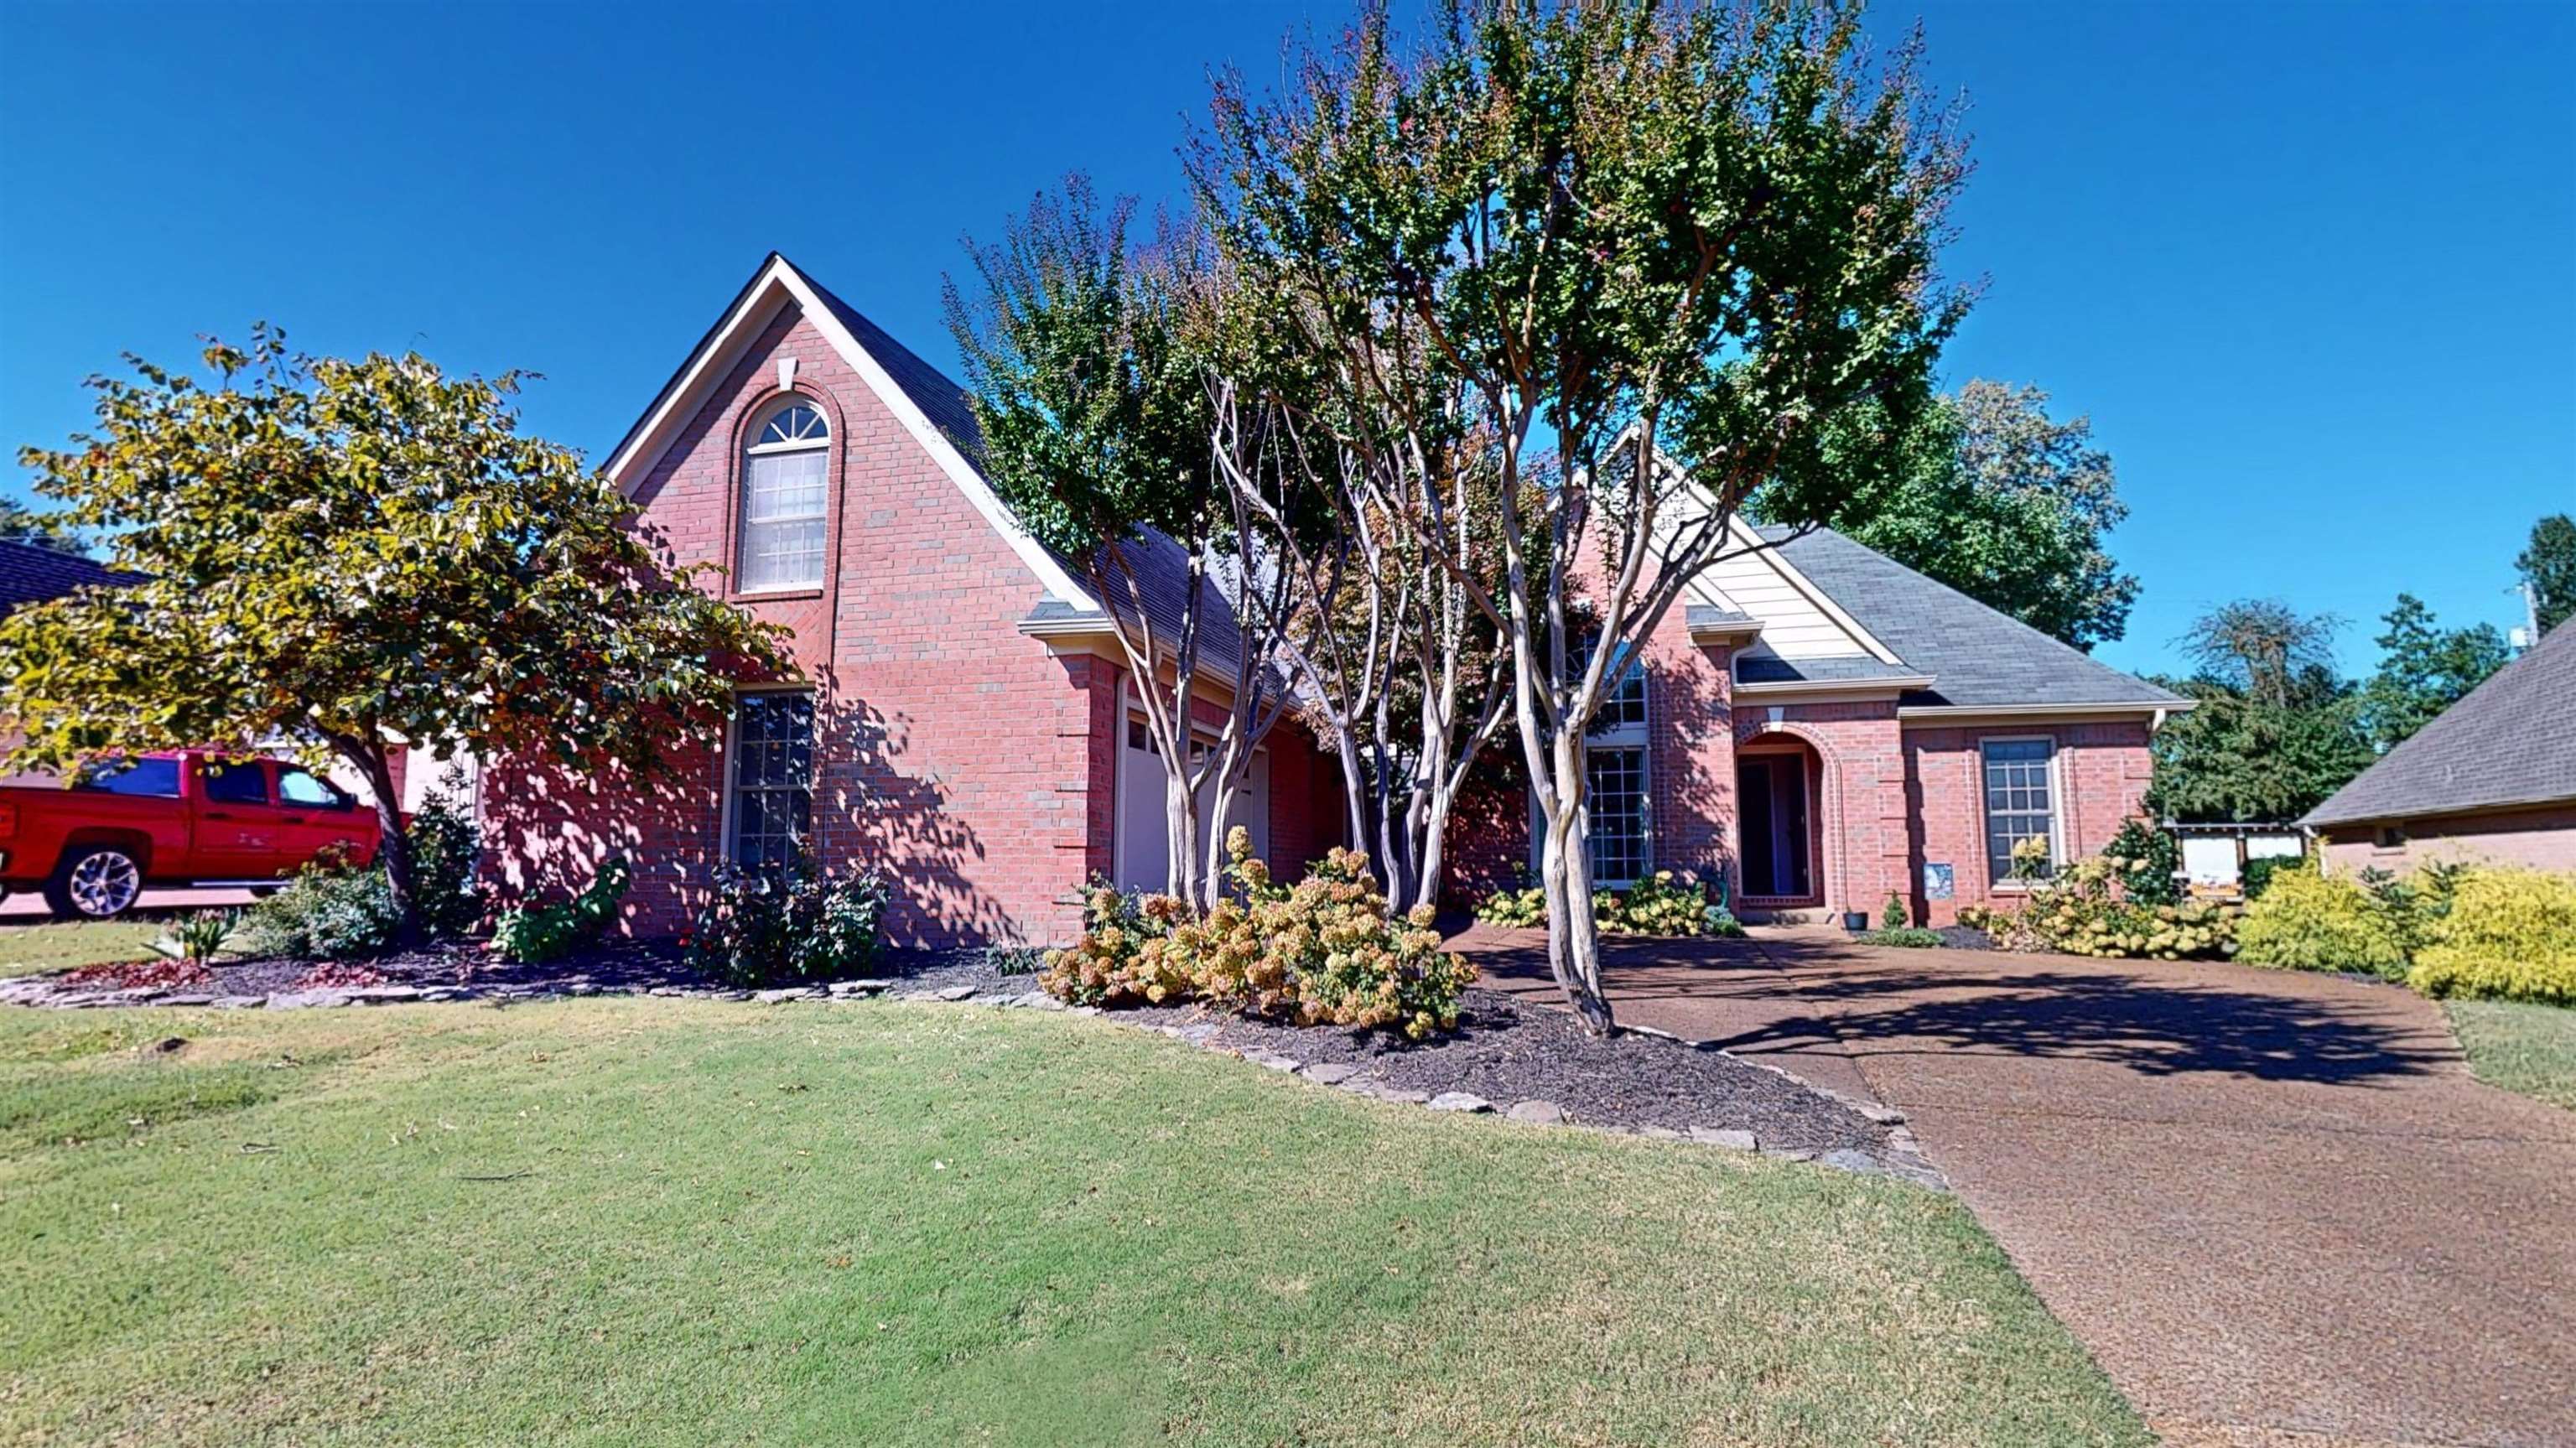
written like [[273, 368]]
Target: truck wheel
[[100, 882]]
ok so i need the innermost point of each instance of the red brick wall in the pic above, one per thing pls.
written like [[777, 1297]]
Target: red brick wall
[[965, 756], [2102, 774], [1860, 824]]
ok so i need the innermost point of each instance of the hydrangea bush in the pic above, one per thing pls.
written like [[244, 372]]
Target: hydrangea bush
[[1324, 951]]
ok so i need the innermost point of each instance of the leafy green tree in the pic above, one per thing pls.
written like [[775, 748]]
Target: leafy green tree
[[2274, 730], [1100, 386], [22, 524], [2424, 670], [2009, 507], [2548, 567], [345, 555], [1695, 243]]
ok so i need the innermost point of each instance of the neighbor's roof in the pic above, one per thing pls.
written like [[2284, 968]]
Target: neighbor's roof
[[1977, 657], [2510, 742], [30, 574]]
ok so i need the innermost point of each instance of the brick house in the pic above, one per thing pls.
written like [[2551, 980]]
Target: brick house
[[1821, 724]]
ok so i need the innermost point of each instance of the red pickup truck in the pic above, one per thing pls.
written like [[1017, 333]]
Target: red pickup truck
[[187, 818]]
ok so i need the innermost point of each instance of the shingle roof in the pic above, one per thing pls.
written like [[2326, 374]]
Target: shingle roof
[[1761, 665], [1977, 657], [2510, 741], [29, 574], [1161, 565]]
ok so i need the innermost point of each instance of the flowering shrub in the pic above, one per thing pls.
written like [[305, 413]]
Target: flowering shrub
[[1514, 909], [771, 927], [2081, 912], [1322, 951], [2146, 860], [2508, 934]]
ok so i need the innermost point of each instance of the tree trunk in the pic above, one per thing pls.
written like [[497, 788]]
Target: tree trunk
[[1565, 874], [393, 846], [1181, 832]]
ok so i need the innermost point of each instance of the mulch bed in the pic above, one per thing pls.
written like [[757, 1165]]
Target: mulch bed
[[1509, 1050]]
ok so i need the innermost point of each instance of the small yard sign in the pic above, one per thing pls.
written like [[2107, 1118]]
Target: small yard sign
[[1939, 883]]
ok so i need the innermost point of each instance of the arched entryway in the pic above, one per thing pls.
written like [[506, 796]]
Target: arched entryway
[[1779, 812]]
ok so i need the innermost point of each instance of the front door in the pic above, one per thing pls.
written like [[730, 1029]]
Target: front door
[[1772, 792]]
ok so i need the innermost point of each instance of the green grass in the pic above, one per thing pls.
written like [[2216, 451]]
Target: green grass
[[645, 1221], [2520, 1047], [53, 945]]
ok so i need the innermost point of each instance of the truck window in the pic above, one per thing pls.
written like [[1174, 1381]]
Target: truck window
[[240, 783], [134, 776], [294, 786]]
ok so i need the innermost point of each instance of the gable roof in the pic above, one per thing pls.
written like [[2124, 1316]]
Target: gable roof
[[927, 405], [1978, 657], [32, 574], [2510, 741]]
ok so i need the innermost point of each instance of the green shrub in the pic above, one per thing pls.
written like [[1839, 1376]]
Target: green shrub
[[199, 936], [444, 848], [1325, 950], [2506, 935], [2146, 860], [2306, 920], [537, 934], [327, 912], [1893, 915], [1905, 937], [788, 927], [2259, 873], [1719, 923]]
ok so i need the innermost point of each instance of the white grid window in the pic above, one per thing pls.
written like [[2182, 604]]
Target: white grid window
[[1615, 808], [773, 778], [785, 477], [2019, 801]]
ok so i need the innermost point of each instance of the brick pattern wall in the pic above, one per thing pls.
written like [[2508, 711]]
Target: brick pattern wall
[[2101, 777], [975, 764], [1859, 811], [2542, 839]]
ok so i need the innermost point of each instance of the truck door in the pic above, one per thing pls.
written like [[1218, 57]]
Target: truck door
[[317, 819], [237, 833]]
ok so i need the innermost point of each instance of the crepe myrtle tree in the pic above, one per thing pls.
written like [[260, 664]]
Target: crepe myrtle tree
[[1693, 243], [343, 555], [1107, 405]]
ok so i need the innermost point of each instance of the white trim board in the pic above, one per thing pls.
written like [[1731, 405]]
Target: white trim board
[[778, 285]]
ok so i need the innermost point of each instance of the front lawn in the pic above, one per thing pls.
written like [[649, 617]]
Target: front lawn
[[2520, 1047], [653, 1221], [31, 946]]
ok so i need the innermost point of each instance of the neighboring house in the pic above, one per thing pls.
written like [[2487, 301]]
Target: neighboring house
[[1821, 725], [32, 574], [2492, 778]]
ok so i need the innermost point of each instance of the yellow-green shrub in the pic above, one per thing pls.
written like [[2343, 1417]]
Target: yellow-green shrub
[[2305, 920], [1664, 903], [2510, 935]]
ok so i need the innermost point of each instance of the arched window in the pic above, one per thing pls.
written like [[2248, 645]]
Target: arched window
[[785, 477]]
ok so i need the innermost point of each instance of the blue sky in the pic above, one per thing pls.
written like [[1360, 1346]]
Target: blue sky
[[2311, 269]]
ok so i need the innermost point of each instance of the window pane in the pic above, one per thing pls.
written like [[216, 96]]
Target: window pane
[[158, 777], [297, 787], [2017, 800], [241, 783], [773, 773], [782, 509], [1615, 812]]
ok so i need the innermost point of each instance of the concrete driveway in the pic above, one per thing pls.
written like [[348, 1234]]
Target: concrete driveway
[[2276, 1206]]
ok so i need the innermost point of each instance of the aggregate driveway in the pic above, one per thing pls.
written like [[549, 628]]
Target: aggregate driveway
[[2275, 1205]]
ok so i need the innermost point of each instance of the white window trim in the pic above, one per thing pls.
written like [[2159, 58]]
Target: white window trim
[[725, 761], [742, 493], [2006, 884]]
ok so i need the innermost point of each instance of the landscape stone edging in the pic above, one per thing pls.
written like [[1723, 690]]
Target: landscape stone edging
[[1905, 1162]]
